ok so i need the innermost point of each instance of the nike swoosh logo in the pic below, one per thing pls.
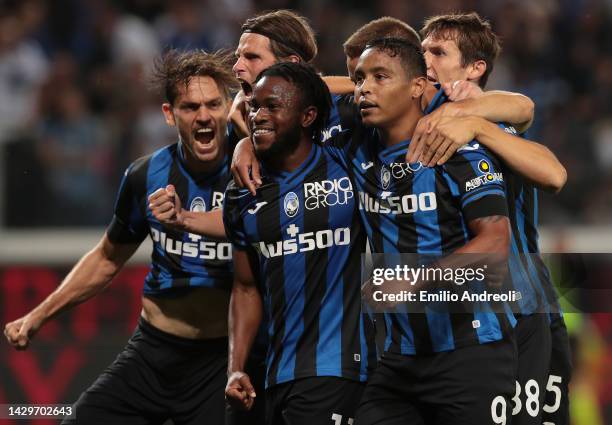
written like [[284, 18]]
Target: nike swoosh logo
[[366, 166], [257, 207]]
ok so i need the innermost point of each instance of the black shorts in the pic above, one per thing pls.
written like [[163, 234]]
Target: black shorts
[[468, 386], [556, 408], [158, 376], [533, 341], [320, 400]]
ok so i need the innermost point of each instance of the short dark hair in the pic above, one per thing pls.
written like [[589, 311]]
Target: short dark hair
[[409, 54], [175, 68], [474, 37], [289, 33], [313, 90], [379, 28]]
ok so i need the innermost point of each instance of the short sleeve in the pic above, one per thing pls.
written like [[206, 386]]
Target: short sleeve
[[476, 180], [129, 224], [232, 219]]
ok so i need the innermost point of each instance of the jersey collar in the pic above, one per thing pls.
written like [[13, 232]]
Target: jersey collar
[[437, 100], [305, 167]]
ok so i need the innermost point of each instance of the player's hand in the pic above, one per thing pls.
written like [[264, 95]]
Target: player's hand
[[19, 332], [165, 205], [245, 167], [239, 391], [450, 134], [424, 136], [237, 113], [461, 90]]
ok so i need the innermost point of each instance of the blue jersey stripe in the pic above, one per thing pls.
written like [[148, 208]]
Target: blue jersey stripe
[[294, 297], [441, 329], [158, 176], [481, 195]]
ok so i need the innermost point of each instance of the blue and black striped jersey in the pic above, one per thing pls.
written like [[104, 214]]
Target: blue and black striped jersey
[[343, 116], [528, 273], [408, 208], [179, 259], [305, 230]]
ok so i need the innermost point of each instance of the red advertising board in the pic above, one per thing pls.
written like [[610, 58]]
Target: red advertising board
[[70, 351]]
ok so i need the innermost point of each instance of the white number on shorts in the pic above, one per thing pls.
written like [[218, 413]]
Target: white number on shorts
[[518, 405], [532, 404], [550, 386], [499, 403], [338, 419]]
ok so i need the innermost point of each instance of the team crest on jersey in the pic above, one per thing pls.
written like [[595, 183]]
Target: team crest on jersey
[[198, 204], [291, 204], [385, 177]]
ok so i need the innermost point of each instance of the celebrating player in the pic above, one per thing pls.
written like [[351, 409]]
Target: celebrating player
[[268, 38], [174, 365], [428, 373], [301, 235], [461, 49], [517, 110]]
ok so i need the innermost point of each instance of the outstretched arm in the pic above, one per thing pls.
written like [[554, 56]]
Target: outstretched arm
[[94, 272]]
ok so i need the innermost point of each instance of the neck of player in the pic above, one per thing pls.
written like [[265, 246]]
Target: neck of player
[[290, 161], [196, 166], [401, 129]]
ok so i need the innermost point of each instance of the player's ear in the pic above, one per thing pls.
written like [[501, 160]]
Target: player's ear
[[293, 58], [418, 86], [168, 115], [309, 116], [476, 70]]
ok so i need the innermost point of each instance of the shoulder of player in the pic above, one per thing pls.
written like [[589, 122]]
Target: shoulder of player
[[471, 151], [473, 158], [159, 159], [234, 190], [236, 195]]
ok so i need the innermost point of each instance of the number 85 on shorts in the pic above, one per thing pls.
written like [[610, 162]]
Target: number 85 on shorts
[[527, 399]]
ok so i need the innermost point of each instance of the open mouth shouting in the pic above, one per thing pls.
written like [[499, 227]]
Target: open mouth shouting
[[204, 138]]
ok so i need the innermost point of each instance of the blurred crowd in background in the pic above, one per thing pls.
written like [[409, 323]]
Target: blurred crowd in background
[[75, 108]]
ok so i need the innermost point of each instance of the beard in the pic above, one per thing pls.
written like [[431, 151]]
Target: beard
[[285, 145]]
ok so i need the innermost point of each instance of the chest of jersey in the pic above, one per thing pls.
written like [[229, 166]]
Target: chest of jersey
[[389, 186], [197, 196], [290, 218]]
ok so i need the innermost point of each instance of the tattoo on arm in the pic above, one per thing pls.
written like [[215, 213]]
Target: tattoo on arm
[[490, 219]]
